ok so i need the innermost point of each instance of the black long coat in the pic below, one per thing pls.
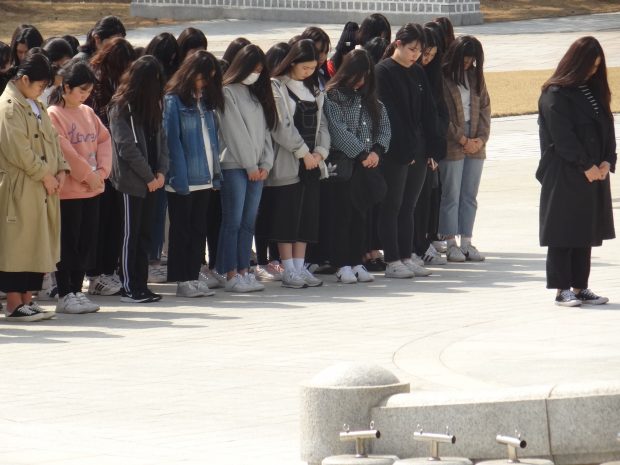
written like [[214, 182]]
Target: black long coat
[[573, 138]]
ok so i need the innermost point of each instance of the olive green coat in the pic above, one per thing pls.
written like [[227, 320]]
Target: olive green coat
[[29, 218]]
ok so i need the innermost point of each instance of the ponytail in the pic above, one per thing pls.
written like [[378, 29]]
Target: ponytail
[[389, 51]]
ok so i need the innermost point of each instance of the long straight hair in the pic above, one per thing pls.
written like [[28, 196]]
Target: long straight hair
[[105, 28], [433, 38], [190, 39], [142, 88], [453, 66], [25, 34], [302, 51], [182, 83], [244, 63], [165, 48], [576, 65], [358, 65], [346, 43]]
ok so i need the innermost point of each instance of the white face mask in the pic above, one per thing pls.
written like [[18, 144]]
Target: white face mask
[[251, 79]]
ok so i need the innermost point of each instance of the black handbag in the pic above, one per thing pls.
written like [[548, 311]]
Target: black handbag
[[339, 166]]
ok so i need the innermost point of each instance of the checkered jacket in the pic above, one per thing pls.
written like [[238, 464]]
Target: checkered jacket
[[350, 125]]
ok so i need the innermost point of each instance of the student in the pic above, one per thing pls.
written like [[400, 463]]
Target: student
[[165, 48], [404, 90], [427, 208], [86, 145], [33, 171], [140, 163], [359, 127], [375, 25], [578, 145], [469, 110], [302, 144], [59, 52], [107, 28], [345, 44], [190, 40], [108, 64], [24, 38], [192, 96], [448, 30], [75, 44], [231, 51], [376, 48], [323, 44]]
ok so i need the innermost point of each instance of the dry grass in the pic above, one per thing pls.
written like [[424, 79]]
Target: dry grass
[[517, 92], [513, 10]]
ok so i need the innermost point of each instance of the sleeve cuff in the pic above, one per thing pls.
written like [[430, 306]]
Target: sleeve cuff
[[303, 150], [322, 151]]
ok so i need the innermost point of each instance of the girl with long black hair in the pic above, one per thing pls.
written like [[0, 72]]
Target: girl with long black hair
[[140, 163], [105, 29]]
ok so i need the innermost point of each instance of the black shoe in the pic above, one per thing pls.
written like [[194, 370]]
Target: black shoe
[[375, 264], [25, 313], [566, 298], [586, 296], [154, 297], [141, 297]]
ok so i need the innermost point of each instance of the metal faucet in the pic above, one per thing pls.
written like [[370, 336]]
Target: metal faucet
[[435, 439], [513, 443], [360, 438]]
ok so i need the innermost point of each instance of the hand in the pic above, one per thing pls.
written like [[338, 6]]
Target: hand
[[432, 164], [372, 160], [153, 185], [318, 158], [161, 179], [593, 174], [60, 177], [310, 162], [604, 169], [470, 146], [255, 175], [263, 174], [50, 183], [94, 181]]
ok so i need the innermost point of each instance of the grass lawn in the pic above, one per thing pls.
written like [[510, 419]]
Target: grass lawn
[[514, 10], [517, 92]]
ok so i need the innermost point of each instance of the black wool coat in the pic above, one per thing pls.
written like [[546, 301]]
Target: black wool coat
[[573, 138]]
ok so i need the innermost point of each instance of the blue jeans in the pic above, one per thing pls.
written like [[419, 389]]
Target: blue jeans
[[240, 200], [460, 180]]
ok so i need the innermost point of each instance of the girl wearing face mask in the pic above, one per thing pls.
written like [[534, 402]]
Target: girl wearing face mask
[[32, 172], [193, 95], [404, 90], [247, 157], [469, 110], [302, 144], [87, 147]]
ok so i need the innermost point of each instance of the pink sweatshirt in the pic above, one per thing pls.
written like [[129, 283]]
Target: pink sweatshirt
[[86, 145]]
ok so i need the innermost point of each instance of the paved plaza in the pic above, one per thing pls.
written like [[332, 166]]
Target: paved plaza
[[216, 380]]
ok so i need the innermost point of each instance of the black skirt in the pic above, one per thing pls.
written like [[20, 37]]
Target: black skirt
[[20, 281], [295, 212]]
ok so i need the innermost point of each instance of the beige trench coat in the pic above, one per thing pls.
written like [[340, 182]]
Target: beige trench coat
[[29, 218]]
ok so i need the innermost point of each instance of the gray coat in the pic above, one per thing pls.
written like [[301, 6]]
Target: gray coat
[[130, 166]]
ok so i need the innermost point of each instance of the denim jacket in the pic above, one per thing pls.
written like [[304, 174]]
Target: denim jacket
[[188, 158]]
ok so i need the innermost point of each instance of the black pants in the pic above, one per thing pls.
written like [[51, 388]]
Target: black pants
[[348, 228], [137, 225], [110, 232], [422, 216], [79, 229], [187, 234], [433, 229], [404, 184], [214, 223], [568, 267], [261, 231], [20, 281]]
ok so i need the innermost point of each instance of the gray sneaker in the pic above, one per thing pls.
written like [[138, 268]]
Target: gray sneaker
[[70, 304], [471, 253], [309, 278], [238, 284], [188, 289], [398, 270], [418, 270], [203, 287], [90, 306], [455, 254], [292, 279], [250, 279]]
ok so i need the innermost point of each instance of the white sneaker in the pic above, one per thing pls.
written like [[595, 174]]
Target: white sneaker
[[292, 279], [250, 279], [188, 289], [363, 276], [70, 304], [49, 289], [440, 246], [238, 284], [104, 285], [213, 279], [346, 276], [398, 270], [86, 303], [433, 258], [309, 278], [455, 254], [204, 288], [471, 253], [416, 259], [418, 270], [157, 274], [262, 274]]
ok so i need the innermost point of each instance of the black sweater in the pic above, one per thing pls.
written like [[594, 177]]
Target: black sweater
[[406, 94]]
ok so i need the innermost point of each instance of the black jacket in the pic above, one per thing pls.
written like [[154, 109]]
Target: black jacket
[[407, 97], [573, 138], [131, 171]]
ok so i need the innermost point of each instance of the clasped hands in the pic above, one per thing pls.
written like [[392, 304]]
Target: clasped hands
[[53, 184], [156, 183], [258, 175], [471, 146], [312, 160], [598, 173]]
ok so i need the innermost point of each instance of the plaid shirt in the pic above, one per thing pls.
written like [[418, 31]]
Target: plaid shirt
[[350, 125]]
